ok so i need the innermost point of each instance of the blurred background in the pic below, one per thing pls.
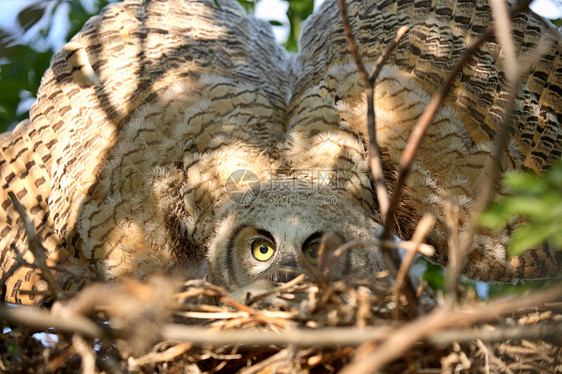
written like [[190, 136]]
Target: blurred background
[[31, 31]]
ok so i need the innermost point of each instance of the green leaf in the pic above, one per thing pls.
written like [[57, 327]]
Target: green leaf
[[530, 236], [273, 22], [537, 200]]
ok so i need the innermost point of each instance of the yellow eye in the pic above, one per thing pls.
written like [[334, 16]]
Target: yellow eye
[[311, 253], [262, 250]]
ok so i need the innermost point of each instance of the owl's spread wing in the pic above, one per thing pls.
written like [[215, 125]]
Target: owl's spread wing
[[451, 162], [65, 162]]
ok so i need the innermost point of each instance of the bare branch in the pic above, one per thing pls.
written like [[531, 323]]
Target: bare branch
[[455, 263], [513, 76], [422, 248], [375, 71], [548, 332], [167, 355], [421, 127], [375, 160], [440, 318], [279, 289], [37, 249], [88, 362], [503, 34], [351, 43], [422, 230], [326, 337], [41, 319]]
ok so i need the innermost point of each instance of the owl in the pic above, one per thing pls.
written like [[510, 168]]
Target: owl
[[177, 136]]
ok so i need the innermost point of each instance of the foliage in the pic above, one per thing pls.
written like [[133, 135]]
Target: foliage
[[298, 11], [25, 52], [536, 199]]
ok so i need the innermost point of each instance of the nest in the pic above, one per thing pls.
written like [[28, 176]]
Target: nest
[[299, 326]]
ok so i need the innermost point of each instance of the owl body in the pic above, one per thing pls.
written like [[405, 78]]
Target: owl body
[[171, 135]]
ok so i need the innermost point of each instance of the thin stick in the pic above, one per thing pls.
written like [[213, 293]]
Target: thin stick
[[351, 43], [421, 127], [167, 355], [375, 159], [396, 339], [278, 289], [552, 332], [455, 263], [37, 249], [422, 230], [87, 355], [375, 71], [427, 117], [40, 319], [502, 21], [485, 195], [326, 337], [391, 259], [318, 276], [283, 355], [441, 318], [410, 246]]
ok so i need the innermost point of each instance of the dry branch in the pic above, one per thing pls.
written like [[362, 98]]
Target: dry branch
[[427, 117], [514, 73], [422, 230], [446, 316], [42, 320], [37, 249]]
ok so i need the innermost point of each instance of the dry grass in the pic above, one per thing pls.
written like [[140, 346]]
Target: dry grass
[[300, 327]]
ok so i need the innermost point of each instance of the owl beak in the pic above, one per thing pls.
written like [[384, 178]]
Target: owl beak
[[288, 270]]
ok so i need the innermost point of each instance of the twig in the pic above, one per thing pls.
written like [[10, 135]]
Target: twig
[[168, 355], [513, 76], [379, 63], [407, 245], [318, 276], [60, 359], [278, 289], [502, 21], [88, 362], [427, 117], [551, 332], [422, 230], [351, 43], [391, 258], [421, 127], [455, 263], [325, 337], [283, 355], [395, 341], [442, 317], [375, 160], [37, 249], [37, 318]]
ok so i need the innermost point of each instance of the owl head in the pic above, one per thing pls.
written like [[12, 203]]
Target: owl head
[[266, 233]]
